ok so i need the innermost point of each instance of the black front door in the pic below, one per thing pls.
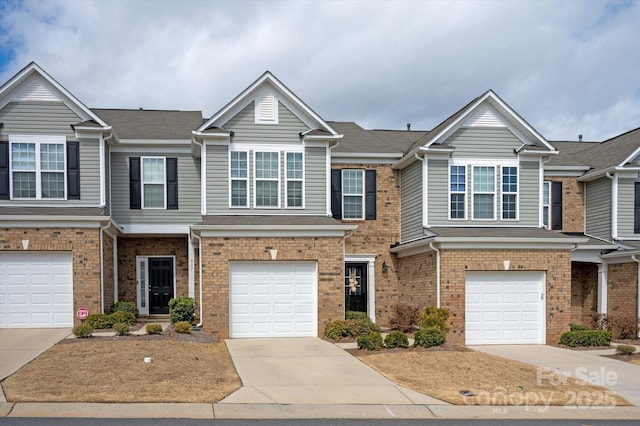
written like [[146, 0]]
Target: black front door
[[160, 284], [355, 287]]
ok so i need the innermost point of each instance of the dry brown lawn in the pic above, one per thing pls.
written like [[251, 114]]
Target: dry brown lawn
[[114, 371], [493, 380]]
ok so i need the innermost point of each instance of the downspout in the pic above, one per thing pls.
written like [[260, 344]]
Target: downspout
[[635, 259], [199, 276], [102, 229], [434, 248]]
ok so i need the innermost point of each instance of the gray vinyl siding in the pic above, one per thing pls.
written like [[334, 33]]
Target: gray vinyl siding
[[55, 119], [411, 193], [107, 162], [486, 143], [315, 183], [529, 193], [188, 211], [438, 193], [245, 130], [598, 208], [626, 192]]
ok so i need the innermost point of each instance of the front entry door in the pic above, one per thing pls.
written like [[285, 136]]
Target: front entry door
[[160, 284], [355, 287]]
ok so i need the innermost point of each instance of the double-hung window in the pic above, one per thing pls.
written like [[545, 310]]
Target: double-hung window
[[509, 192], [458, 192], [153, 183], [546, 211], [484, 185], [239, 179], [294, 176], [38, 167], [267, 179], [352, 194]]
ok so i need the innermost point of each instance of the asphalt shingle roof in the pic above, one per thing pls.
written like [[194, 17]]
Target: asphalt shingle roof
[[151, 124]]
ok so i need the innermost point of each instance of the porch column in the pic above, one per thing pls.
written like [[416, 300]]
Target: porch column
[[602, 288]]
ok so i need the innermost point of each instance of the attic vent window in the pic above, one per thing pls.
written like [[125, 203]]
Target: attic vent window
[[267, 108]]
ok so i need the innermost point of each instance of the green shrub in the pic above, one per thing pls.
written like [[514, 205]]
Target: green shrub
[[371, 342], [434, 317], [121, 328], [83, 330], [153, 328], [428, 337], [355, 315], [579, 327], [625, 349], [99, 321], [182, 327], [336, 330], [182, 309], [124, 317], [586, 338], [396, 339], [405, 317], [125, 306], [351, 328]]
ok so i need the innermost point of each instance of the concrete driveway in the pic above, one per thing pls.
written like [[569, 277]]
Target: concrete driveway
[[18, 346], [588, 365], [310, 371]]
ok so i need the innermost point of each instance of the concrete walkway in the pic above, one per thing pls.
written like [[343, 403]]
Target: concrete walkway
[[19, 346], [310, 371], [588, 365]]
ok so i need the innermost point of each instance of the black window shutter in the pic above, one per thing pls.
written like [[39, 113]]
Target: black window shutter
[[370, 194], [556, 205], [4, 170], [636, 209], [134, 183], [172, 184], [336, 193], [73, 170]]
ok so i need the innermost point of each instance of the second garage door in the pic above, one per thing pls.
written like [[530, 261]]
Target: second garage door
[[273, 299], [36, 290], [504, 308]]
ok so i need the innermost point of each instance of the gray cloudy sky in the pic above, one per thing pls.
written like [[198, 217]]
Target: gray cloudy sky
[[567, 67]]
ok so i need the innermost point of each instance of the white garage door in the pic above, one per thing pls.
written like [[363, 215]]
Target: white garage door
[[36, 290], [273, 299], [505, 308]]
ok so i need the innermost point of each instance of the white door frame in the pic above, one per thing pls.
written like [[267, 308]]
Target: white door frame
[[142, 281], [370, 260]]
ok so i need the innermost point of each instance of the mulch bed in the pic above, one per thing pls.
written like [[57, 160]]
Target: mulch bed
[[447, 347], [167, 335]]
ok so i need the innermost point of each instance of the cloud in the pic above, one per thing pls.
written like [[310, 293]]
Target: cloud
[[567, 67]]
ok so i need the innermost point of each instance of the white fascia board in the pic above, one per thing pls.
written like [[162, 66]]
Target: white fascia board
[[408, 159], [593, 176], [505, 240], [208, 135], [91, 132], [513, 245], [142, 149], [44, 221], [273, 231], [155, 229], [72, 102], [363, 158], [156, 142], [630, 158]]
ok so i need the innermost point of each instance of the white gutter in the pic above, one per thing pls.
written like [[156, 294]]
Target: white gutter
[[635, 259], [614, 205], [437, 273], [199, 277]]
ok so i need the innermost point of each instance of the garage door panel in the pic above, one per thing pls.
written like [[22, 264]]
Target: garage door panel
[[511, 312], [36, 289], [282, 299]]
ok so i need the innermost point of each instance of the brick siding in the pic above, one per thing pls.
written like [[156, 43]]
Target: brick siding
[[584, 292], [107, 262], [417, 276], [572, 203], [622, 294]]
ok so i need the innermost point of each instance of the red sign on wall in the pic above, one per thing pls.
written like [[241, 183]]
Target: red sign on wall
[[82, 313]]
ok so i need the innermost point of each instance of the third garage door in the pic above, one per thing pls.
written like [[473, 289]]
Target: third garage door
[[504, 308], [273, 299]]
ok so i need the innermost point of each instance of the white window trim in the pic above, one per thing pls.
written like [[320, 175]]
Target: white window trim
[[164, 182], [259, 119], [246, 181], [255, 180], [362, 195], [38, 140], [474, 192], [548, 205], [287, 180], [466, 186], [517, 194]]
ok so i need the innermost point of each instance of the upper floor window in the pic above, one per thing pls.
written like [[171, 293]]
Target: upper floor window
[[458, 192], [267, 179], [353, 194], [546, 211], [153, 183], [294, 178], [509, 192], [239, 171], [37, 167], [484, 192]]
